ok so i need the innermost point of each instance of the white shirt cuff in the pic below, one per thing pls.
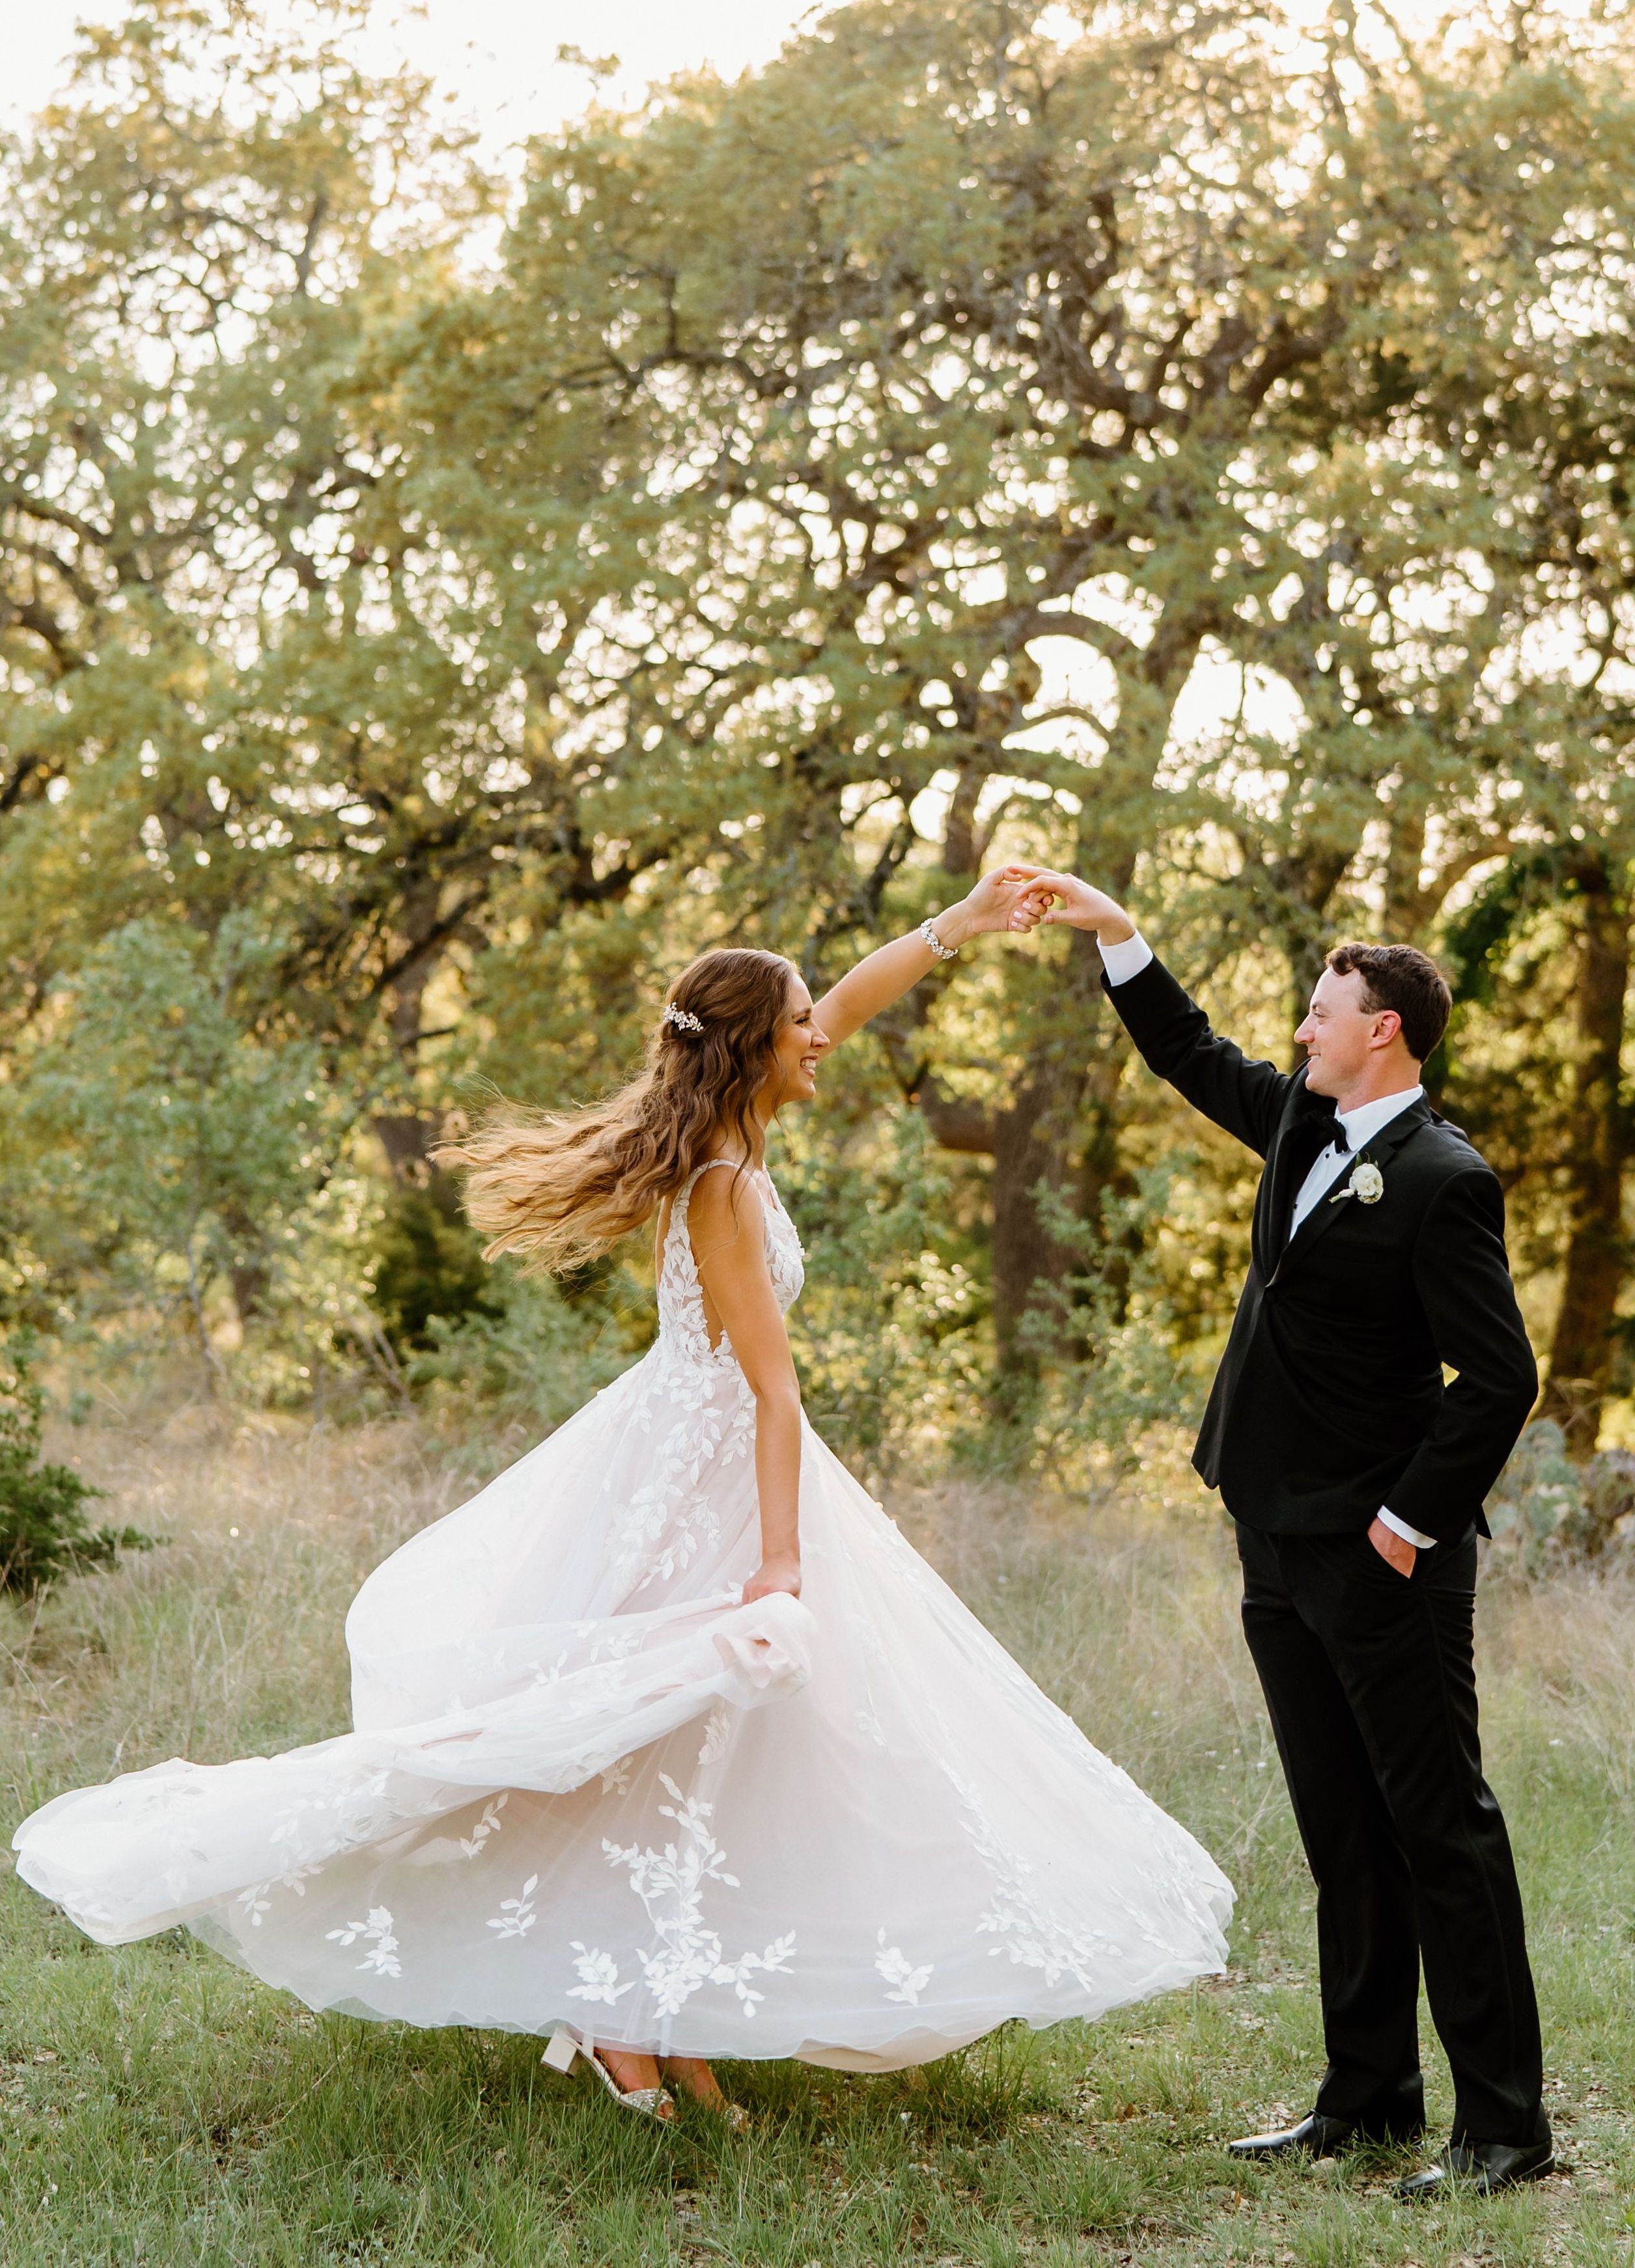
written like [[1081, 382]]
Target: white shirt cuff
[[1409, 1535], [1126, 959]]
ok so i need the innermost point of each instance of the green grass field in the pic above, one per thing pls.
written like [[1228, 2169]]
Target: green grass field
[[157, 2106]]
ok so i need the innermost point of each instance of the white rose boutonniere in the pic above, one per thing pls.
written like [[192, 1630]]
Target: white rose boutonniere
[[1366, 1185]]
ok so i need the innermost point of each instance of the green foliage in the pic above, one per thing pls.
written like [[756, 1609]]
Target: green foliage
[[893, 1333], [531, 1351], [426, 639], [44, 1534], [428, 1266], [1116, 1313], [1481, 937], [166, 1147]]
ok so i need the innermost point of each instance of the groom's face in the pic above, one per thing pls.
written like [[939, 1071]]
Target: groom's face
[[1338, 1035]]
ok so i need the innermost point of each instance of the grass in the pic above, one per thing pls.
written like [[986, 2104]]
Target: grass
[[159, 2107]]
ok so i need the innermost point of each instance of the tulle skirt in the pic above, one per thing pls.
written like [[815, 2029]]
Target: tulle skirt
[[586, 1786]]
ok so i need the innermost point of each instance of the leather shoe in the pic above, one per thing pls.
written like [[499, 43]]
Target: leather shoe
[[1485, 2166], [1316, 2137]]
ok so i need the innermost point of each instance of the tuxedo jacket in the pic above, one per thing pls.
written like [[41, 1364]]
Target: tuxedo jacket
[[1329, 1402]]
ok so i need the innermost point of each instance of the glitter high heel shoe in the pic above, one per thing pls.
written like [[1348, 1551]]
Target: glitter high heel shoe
[[648, 2102]]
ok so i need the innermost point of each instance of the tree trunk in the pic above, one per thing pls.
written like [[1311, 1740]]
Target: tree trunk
[[1581, 1350], [251, 1281], [408, 1135], [1039, 1137]]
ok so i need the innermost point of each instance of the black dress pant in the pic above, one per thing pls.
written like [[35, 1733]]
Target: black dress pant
[[1371, 1683]]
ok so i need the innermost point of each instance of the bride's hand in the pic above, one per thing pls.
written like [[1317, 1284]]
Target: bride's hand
[[990, 905], [1050, 897], [782, 1573]]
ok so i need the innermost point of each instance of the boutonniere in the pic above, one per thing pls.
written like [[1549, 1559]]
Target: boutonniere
[[1366, 1185]]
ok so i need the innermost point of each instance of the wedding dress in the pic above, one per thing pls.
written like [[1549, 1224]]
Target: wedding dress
[[588, 1786]]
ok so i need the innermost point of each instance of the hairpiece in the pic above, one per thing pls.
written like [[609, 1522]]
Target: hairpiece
[[682, 1018]]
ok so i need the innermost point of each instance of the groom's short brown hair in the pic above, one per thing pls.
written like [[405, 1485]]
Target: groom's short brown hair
[[1403, 979]]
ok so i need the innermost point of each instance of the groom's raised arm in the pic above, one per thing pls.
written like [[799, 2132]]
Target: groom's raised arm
[[1177, 1042], [1174, 1036]]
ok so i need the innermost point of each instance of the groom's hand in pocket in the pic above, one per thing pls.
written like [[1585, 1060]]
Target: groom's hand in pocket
[[1395, 1550]]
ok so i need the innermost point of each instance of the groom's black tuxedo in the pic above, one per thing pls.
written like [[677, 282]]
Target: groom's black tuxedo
[[1329, 1405], [1329, 1402]]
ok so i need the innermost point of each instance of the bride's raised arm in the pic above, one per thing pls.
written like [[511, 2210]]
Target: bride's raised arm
[[886, 975]]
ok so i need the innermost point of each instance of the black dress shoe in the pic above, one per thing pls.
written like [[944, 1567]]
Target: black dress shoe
[[1316, 2137], [1486, 2166]]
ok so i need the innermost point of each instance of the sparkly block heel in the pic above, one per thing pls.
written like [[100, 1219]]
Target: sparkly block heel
[[647, 2101]]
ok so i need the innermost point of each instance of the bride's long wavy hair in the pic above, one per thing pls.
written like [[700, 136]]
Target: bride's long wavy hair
[[561, 1186]]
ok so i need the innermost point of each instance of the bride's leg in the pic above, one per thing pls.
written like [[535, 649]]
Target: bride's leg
[[694, 2077], [630, 2070]]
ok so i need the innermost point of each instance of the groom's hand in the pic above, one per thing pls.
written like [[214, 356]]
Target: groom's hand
[[993, 904], [1395, 1550], [1050, 897]]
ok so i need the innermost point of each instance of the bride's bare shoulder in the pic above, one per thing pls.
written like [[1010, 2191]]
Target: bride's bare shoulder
[[724, 1203]]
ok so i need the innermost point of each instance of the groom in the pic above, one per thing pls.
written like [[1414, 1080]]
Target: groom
[[1355, 1479]]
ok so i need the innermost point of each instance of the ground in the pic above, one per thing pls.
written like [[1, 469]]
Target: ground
[[159, 2107]]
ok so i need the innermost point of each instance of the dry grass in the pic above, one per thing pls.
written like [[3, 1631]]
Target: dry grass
[[226, 1639], [162, 2108]]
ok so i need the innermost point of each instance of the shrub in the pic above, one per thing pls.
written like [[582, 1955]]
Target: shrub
[[1549, 1510], [44, 1534], [533, 1349], [427, 1267]]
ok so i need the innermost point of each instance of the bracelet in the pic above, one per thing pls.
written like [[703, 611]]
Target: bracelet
[[943, 952]]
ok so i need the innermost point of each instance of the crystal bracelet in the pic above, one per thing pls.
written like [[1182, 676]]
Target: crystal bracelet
[[943, 952]]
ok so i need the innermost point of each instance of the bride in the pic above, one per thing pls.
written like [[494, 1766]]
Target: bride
[[668, 1745]]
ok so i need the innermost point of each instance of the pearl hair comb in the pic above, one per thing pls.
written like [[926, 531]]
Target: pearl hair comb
[[681, 1018]]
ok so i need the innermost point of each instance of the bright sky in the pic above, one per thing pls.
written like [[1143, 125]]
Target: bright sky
[[499, 57]]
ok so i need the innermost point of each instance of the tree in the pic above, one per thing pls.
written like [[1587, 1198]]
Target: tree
[[166, 1148], [1191, 446], [993, 382]]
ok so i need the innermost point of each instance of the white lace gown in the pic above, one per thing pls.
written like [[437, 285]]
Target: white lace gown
[[586, 1786]]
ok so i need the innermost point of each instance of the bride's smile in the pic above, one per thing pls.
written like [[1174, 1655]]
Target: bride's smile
[[800, 1047]]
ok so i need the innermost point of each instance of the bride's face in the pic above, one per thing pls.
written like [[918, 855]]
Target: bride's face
[[795, 1051]]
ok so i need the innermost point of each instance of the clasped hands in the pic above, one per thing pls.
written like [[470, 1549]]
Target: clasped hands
[[1047, 897], [1021, 898]]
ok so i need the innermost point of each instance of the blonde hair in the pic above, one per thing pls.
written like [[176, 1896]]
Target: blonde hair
[[561, 1186]]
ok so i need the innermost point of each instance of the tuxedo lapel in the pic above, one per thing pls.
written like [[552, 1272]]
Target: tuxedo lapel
[[1377, 1151], [1298, 1145]]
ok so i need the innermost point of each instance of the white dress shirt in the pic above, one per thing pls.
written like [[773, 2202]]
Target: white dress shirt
[[1128, 958], [1360, 1125]]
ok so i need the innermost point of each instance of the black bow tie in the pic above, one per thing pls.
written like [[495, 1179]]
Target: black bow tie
[[1320, 1133]]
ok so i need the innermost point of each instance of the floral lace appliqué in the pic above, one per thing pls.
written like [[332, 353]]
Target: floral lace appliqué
[[376, 1931], [696, 1406], [1028, 1931], [687, 1954], [516, 1915], [488, 1824], [904, 1981], [598, 1976]]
